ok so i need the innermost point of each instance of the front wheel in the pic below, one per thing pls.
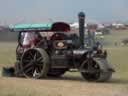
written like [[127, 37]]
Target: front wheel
[[96, 69]]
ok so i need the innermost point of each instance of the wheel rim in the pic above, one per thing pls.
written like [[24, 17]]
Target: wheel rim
[[92, 72], [32, 64]]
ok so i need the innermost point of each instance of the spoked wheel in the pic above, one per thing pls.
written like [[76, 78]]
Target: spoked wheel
[[96, 69], [56, 72], [35, 63]]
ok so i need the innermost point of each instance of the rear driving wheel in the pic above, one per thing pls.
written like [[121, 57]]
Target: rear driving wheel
[[96, 69], [35, 63]]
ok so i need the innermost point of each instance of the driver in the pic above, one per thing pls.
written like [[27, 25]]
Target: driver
[[30, 39]]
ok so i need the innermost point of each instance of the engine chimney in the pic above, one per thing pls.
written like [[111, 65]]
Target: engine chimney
[[81, 17]]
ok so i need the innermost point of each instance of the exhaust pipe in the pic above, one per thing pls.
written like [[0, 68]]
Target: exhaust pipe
[[81, 17]]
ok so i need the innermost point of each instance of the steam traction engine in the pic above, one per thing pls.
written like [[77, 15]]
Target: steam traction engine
[[61, 52]]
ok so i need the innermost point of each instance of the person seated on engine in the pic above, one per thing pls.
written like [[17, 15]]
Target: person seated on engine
[[31, 39]]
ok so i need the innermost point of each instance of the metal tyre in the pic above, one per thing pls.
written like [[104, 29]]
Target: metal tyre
[[100, 70], [35, 63]]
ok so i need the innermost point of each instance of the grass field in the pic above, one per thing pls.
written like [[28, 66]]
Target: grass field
[[71, 84], [7, 53]]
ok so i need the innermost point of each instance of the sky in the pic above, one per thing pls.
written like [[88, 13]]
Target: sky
[[39, 11]]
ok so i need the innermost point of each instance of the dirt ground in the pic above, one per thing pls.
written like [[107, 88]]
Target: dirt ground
[[64, 86]]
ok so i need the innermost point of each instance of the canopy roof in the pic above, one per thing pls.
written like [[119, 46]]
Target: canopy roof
[[57, 26]]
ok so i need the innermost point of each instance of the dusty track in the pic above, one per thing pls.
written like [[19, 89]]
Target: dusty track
[[64, 86]]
